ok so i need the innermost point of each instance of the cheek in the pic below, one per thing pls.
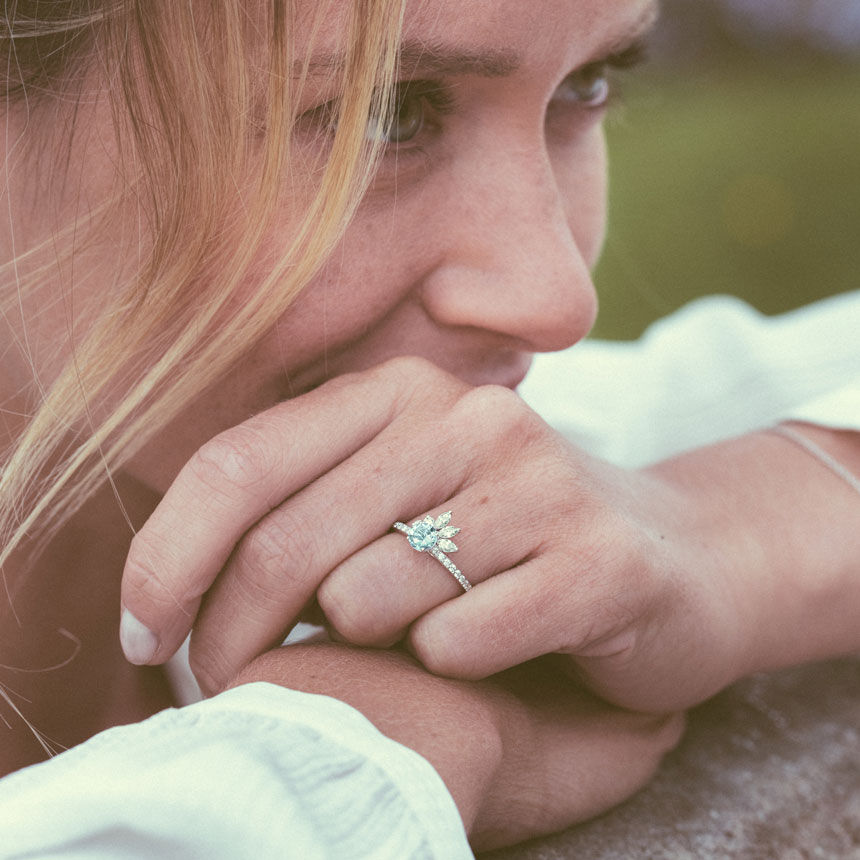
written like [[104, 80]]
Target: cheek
[[580, 173], [353, 299]]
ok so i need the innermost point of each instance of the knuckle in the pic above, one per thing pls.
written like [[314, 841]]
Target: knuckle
[[436, 650], [257, 589], [408, 379], [412, 377], [350, 617], [279, 548], [237, 458], [409, 367], [498, 413]]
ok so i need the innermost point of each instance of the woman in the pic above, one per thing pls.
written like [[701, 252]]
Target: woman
[[613, 568], [374, 359], [180, 177]]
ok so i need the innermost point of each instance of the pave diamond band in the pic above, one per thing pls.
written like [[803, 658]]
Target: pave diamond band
[[433, 536], [451, 568]]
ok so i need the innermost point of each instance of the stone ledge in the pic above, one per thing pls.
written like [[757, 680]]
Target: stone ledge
[[768, 770]]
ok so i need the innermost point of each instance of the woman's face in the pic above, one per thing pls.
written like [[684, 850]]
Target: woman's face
[[474, 245]]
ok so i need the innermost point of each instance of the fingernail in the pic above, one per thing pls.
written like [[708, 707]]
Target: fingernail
[[139, 643]]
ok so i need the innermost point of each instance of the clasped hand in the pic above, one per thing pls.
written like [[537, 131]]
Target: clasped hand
[[617, 569]]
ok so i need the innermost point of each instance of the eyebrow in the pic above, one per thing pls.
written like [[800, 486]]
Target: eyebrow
[[421, 58], [416, 58]]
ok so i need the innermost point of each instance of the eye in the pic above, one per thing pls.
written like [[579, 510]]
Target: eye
[[414, 103], [591, 86], [407, 119], [588, 86]]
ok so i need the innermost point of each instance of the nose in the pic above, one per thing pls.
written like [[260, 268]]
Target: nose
[[509, 261]]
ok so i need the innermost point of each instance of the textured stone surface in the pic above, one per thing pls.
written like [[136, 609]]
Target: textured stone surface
[[768, 770]]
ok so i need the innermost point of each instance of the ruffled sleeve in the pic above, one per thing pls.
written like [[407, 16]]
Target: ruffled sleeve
[[258, 771], [714, 369]]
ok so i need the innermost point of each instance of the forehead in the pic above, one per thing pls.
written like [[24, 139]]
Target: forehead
[[532, 27], [532, 32]]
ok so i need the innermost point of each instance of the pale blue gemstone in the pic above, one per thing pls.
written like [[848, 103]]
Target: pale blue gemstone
[[423, 537]]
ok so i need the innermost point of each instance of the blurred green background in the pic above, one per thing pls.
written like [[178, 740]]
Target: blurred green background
[[735, 165]]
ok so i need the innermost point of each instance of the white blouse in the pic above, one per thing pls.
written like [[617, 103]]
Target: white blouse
[[715, 369], [265, 772]]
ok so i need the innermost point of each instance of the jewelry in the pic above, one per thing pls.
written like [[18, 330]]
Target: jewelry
[[819, 453], [434, 536]]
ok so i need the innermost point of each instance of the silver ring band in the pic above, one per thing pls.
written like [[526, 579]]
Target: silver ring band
[[434, 536]]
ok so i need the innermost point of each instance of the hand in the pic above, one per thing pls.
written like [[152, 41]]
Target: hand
[[659, 584], [521, 754]]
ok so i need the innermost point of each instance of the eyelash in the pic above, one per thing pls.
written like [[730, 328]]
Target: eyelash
[[436, 94], [625, 59]]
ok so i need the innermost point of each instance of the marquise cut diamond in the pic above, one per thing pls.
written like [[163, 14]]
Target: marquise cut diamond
[[443, 519]]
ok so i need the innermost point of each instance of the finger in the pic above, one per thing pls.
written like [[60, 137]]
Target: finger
[[544, 606], [375, 594], [231, 482], [280, 562]]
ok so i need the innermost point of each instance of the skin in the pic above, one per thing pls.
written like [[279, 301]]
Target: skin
[[661, 585], [446, 287], [538, 758], [435, 261], [437, 257], [432, 267]]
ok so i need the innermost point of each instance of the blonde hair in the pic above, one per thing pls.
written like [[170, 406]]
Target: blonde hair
[[183, 98]]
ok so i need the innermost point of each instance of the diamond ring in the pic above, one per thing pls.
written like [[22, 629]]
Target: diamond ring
[[434, 537]]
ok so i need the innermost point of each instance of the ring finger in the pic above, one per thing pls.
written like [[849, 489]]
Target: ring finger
[[277, 566], [372, 597]]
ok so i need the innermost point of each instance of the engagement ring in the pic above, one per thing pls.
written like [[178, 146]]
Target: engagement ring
[[434, 537]]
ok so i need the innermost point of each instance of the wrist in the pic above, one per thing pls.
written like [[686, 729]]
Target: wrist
[[786, 531], [449, 723], [825, 478], [836, 450]]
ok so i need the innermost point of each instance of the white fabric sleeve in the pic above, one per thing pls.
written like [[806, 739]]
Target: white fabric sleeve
[[714, 369], [258, 771], [839, 409]]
